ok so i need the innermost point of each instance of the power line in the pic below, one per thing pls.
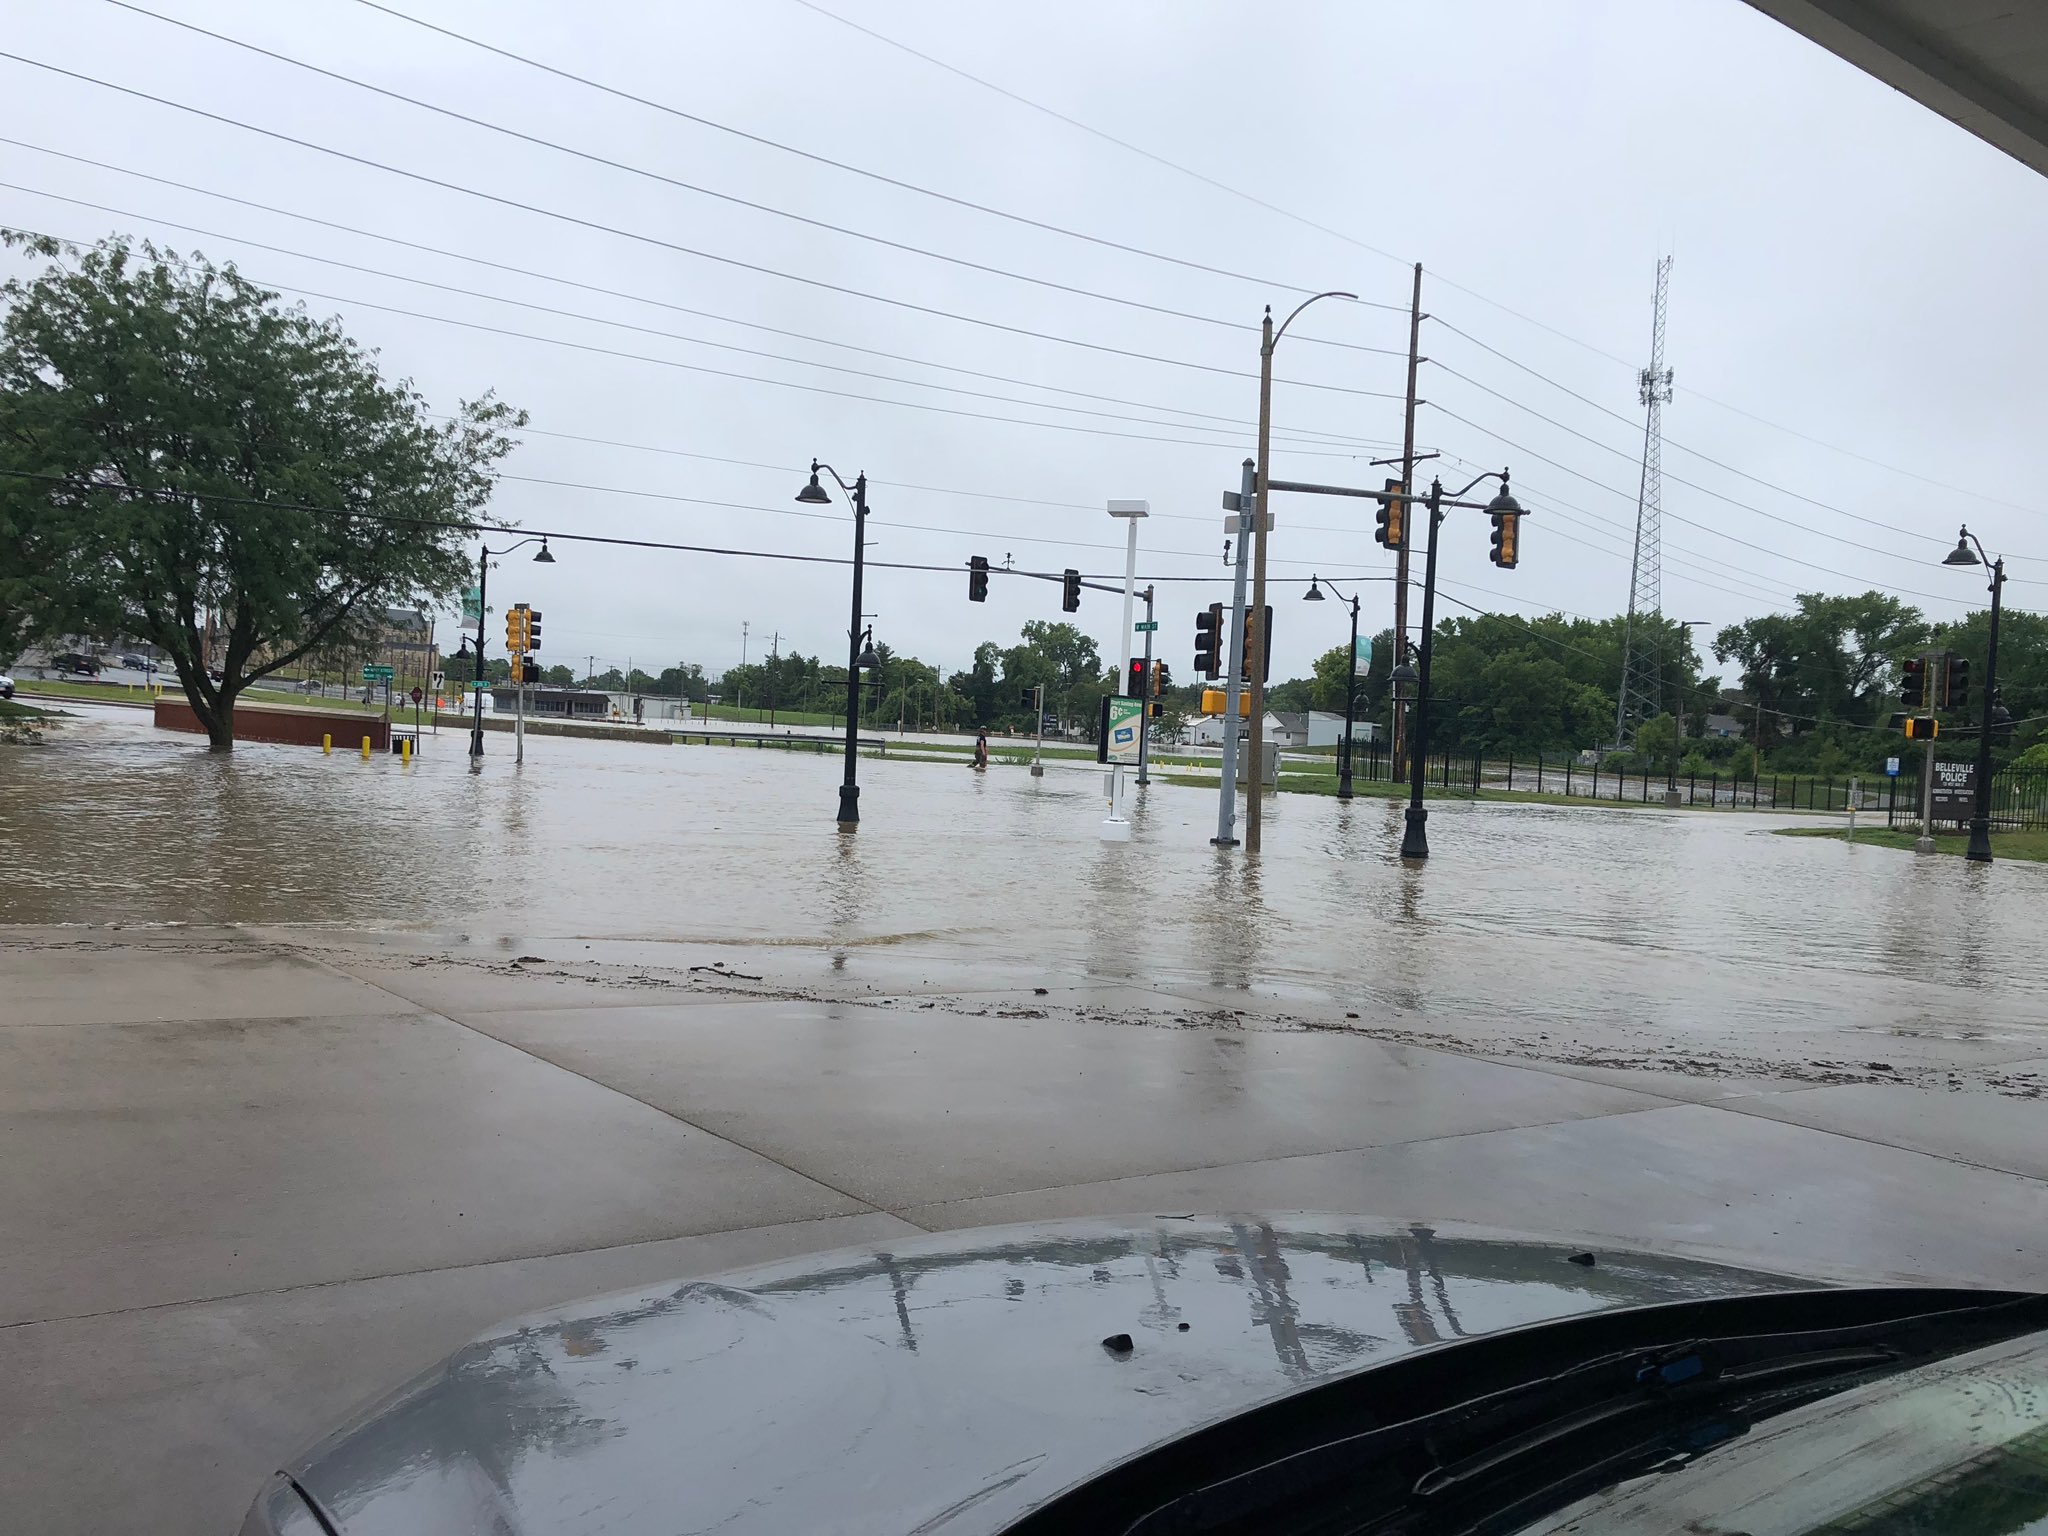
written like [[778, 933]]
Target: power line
[[641, 298], [841, 165], [1772, 485], [734, 199], [1690, 523], [1352, 240], [1306, 436], [474, 527], [610, 229]]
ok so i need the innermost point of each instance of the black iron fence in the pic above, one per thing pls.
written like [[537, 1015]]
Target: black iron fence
[[2019, 797]]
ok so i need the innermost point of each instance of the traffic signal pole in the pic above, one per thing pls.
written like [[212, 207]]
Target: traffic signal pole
[[1233, 687], [1145, 720], [1400, 743]]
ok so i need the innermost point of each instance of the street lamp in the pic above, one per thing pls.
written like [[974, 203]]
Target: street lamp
[[1314, 594], [1414, 836], [1964, 553], [1268, 340], [483, 575], [859, 649]]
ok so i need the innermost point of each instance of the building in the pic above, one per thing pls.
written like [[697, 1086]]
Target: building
[[1313, 728], [546, 703]]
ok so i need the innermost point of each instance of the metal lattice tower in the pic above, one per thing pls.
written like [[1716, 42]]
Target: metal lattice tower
[[1641, 693]]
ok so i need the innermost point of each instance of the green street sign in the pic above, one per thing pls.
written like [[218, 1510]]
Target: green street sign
[[1144, 626], [376, 674]]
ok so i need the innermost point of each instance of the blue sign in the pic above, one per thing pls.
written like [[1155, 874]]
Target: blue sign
[[1891, 767]]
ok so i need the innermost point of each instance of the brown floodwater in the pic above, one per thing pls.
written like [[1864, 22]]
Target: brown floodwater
[[1549, 916]]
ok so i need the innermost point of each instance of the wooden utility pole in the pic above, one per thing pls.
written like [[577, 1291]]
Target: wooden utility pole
[[1400, 754]]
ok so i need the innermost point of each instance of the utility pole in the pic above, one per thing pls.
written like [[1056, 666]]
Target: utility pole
[[1233, 687], [1401, 554], [1145, 719]]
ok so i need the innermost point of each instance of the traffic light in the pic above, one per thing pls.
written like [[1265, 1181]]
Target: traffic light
[[2001, 721], [533, 629], [1134, 681], [1253, 625], [515, 630], [1922, 728], [1161, 679], [1955, 682], [1070, 591], [529, 670], [1913, 682], [977, 579], [1392, 517], [1209, 640], [1507, 539]]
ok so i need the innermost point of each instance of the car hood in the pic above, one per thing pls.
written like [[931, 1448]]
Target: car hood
[[947, 1384]]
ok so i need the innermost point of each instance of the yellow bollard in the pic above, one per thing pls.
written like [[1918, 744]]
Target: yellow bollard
[[405, 753], [366, 749], [326, 746]]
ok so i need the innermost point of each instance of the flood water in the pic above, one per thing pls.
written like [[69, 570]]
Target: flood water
[[1550, 916]]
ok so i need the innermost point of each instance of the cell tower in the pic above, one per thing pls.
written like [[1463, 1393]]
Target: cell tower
[[1641, 693]]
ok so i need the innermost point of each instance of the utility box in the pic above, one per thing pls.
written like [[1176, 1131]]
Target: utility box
[[1269, 768]]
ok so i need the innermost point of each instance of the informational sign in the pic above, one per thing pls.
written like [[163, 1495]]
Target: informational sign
[[372, 673], [472, 603], [1955, 791], [1123, 724], [1361, 656], [1144, 626], [1891, 767]]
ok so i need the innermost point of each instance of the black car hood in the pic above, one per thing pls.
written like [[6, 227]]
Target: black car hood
[[951, 1383]]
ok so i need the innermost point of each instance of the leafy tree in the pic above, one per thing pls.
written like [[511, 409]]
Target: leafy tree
[[978, 687], [183, 424], [559, 676], [686, 681]]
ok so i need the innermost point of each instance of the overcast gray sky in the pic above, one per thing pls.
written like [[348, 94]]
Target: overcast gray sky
[[1856, 304]]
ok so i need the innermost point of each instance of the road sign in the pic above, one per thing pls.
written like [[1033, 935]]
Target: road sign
[[1891, 767], [419, 694], [1144, 626], [372, 673], [1955, 791], [1125, 719]]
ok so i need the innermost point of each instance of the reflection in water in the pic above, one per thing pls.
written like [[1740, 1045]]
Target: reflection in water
[[917, 1360], [1549, 917]]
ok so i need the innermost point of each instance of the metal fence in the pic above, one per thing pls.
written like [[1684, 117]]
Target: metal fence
[[2019, 797]]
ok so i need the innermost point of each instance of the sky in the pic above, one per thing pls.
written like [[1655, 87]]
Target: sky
[[702, 304]]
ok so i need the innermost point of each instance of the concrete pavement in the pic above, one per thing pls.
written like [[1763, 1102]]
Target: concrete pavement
[[248, 1177]]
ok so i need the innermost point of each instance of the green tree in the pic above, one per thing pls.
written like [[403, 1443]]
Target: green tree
[[979, 686], [183, 425], [559, 676]]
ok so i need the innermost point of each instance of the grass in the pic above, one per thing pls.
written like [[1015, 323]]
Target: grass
[[761, 716], [2004, 845], [12, 711]]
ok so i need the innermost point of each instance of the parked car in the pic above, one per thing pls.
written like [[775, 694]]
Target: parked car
[[138, 663], [76, 663], [1288, 1373], [6, 686]]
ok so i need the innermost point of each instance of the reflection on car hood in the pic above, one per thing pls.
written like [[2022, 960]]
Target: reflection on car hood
[[946, 1384]]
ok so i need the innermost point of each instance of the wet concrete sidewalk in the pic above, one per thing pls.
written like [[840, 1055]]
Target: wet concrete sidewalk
[[250, 1176]]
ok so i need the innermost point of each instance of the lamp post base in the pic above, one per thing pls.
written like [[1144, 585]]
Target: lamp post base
[[849, 805], [1671, 799], [1979, 851], [1923, 845], [1415, 837]]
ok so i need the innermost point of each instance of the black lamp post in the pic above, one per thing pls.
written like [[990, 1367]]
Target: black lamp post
[[859, 652], [1314, 595], [1414, 835], [1979, 850], [483, 577]]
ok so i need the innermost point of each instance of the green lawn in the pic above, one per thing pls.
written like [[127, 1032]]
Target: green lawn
[[2004, 845], [135, 693], [751, 716], [12, 711]]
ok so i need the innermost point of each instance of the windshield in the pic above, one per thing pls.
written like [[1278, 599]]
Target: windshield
[[1958, 1448]]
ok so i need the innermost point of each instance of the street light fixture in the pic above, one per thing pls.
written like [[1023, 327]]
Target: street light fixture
[[1414, 835], [859, 651], [483, 575], [1314, 594], [1268, 340], [1970, 551]]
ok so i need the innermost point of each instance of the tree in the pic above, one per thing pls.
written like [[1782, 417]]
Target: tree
[[227, 478], [559, 676], [979, 685]]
